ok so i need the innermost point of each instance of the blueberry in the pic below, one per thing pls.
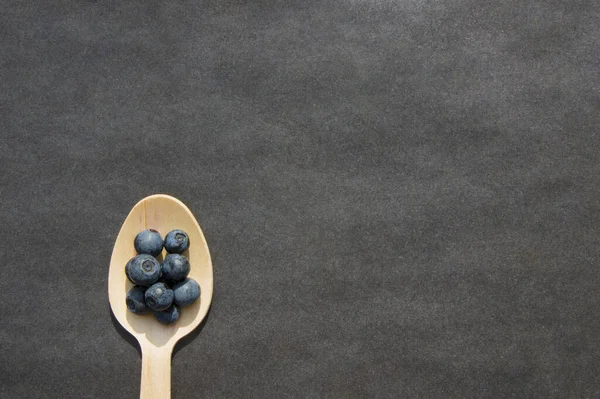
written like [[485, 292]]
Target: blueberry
[[135, 300], [159, 296], [175, 267], [167, 316], [186, 292], [143, 270], [177, 241], [148, 242]]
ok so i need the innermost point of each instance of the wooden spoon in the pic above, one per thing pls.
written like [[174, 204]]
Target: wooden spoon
[[163, 213]]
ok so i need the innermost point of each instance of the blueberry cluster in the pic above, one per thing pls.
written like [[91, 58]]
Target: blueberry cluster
[[161, 288]]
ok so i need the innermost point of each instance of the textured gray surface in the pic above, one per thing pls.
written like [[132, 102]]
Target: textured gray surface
[[401, 197]]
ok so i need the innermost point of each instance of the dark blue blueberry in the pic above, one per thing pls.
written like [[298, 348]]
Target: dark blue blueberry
[[177, 242], [159, 296], [143, 270], [148, 242], [175, 267], [167, 316], [186, 292], [135, 300]]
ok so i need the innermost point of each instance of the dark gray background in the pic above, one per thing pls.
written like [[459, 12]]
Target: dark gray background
[[401, 197]]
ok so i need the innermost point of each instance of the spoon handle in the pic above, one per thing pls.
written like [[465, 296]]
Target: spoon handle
[[156, 373]]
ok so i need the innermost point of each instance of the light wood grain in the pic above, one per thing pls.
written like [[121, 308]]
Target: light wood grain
[[163, 213]]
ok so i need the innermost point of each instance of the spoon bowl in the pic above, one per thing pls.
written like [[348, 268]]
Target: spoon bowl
[[162, 213]]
